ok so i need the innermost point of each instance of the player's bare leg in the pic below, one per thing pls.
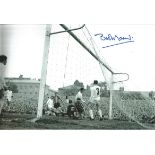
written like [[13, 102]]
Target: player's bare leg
[[91, 114], [1, 105], [99, 111]]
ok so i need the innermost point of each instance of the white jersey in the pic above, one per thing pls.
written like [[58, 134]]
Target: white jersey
[[8, 95], [95, 93], [50, 103], [79, 95]]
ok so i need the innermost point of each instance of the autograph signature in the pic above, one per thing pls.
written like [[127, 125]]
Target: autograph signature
[[112, 38]]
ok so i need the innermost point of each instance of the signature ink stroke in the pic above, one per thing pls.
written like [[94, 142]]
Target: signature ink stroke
[[113, 38]]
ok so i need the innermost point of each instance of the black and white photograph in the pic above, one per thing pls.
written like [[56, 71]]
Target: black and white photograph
[[77, 76]]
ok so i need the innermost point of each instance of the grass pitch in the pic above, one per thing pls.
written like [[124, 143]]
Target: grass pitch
[[14, 121]]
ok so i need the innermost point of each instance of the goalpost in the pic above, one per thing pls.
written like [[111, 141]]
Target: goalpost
[[45, 62], [44, 70]]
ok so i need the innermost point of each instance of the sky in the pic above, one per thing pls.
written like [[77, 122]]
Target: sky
[[68, 61]]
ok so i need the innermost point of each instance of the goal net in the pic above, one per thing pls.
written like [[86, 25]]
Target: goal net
[[69, 63]]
